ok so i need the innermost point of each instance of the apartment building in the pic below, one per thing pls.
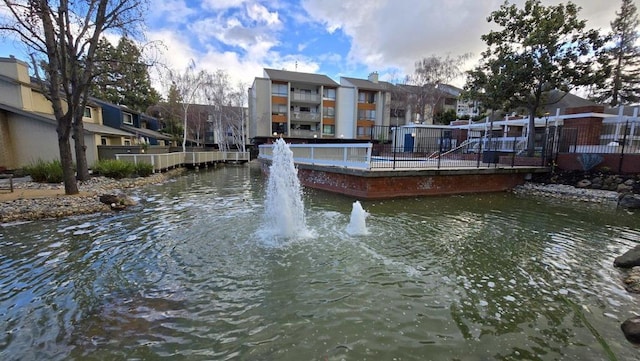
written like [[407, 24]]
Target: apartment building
[[304, 105], [293, 104], [369, 103]]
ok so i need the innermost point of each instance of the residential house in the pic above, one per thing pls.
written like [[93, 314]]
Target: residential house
[[146, 129], [28, 126]]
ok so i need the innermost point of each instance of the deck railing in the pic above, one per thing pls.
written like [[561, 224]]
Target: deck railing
[[171, 160], [333, 155], [387, 156]]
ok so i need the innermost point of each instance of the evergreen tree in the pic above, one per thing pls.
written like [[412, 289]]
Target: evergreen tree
[[538, 49], [124, 77], [173, 114], [622, 60]]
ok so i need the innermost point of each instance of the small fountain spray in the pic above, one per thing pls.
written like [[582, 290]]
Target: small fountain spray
[[284, 209], [358, 225]]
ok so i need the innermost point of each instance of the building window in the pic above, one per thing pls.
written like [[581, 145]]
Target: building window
[[279, 89], [329, 93], [329, 129], [328, 112], [366, 114], [127, 118], [127, 142], [279, 109], [365, 97], [363, 131], [103, 141], [87, 112]]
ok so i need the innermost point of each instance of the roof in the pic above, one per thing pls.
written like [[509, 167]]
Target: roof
[[146, 132], [103, 129], [50, 119], [567, 100], [367, 84], [297, 77]]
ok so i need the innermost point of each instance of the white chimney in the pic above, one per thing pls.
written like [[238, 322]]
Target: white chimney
[[373, 77]]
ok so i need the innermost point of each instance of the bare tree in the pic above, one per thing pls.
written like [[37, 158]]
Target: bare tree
[[430, 75], [188, 87], [237, 117], [227, 110], [62, 37]]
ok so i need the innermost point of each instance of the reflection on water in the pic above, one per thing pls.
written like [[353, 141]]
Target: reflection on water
[[187, 276]]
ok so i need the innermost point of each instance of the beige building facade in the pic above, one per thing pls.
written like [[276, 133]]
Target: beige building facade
[[28, 126]]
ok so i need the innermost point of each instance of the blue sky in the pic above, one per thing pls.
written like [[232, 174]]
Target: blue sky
[[333, 37]]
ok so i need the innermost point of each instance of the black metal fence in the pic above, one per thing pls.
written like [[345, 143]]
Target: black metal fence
[[443, 147], [614, 143]]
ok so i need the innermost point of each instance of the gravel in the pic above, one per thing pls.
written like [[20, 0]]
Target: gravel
[[568, 193], [29, 209]]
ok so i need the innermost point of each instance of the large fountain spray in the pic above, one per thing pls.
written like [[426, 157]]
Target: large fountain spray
[[284, 209]]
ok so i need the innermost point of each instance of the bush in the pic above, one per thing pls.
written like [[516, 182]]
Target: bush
[[45, 172], [144, 169], [113, 168]]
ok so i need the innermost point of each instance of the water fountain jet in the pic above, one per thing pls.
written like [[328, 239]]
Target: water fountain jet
[[357, 224], [284, 208]]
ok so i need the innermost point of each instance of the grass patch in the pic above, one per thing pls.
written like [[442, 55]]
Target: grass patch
[[45, 172], [113, 168], [118, 169]]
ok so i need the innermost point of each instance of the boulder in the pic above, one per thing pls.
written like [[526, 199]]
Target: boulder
[[630, 259], [630, 201], [585, 183], [623, 188], [117, 201], [632, 280], [631, 329]]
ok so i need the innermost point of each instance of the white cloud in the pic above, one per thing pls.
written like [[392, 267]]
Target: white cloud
[[171, 11], [222, 4], [261, 14], [391, 33]]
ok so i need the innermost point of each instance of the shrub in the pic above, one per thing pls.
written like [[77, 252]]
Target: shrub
[[45, 172], [113, 168], [144, 169]]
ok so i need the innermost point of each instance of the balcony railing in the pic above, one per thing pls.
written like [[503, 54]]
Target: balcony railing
[[305, 116], [305, 97], [303, 133]]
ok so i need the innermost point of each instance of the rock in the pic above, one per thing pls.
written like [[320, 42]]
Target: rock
[[629, 201], [109, 199], [585, 183], [631, 329], [623, 188], [629, 182], [632, 280], [117, 201], [630, 259]]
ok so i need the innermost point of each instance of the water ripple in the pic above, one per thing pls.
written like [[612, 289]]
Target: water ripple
[[187, 276]]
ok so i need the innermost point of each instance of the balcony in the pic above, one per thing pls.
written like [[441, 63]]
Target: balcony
[[305, 97], [304, 133], [305, 116]]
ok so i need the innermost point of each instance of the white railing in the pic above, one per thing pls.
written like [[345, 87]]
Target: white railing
[[171, 160], [356, 155]]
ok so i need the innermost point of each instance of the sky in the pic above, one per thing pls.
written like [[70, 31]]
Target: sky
[[332, 37]]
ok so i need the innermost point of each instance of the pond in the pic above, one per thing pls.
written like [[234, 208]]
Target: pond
[[190, 275]]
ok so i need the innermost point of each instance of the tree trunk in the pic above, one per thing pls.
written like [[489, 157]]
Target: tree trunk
[[66, 158], [81, 150]]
